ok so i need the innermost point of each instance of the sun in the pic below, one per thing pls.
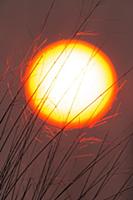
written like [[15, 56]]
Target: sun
[[71, 84]]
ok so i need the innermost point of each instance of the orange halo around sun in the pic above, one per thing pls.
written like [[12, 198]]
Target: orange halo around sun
[[70, 84]]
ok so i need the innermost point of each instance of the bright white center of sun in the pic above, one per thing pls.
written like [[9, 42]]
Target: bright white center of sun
[[68, 80]]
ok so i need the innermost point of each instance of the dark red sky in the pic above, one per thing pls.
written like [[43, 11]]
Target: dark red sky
[[112, 24]]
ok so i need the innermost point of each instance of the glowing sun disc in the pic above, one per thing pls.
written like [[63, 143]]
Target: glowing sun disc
[[70, 83]]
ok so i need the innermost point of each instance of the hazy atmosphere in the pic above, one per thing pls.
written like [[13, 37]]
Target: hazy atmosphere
[[40, 161]]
